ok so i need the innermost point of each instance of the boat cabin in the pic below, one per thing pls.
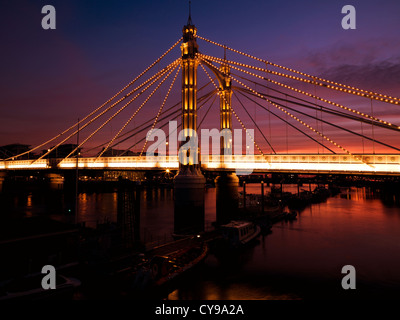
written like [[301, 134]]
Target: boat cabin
[[240, 232]]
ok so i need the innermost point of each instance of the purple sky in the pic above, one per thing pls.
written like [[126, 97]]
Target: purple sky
[[50, 78]]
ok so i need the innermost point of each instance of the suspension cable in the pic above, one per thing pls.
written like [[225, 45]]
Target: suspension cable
[[160, 110], [104, 104], [136, 112], [136, 143], [294, 89], [336, 126], [205, 97], [316, 118], [373, 132], [364, 93], [115, 114], [320, 107], [154, 79], [205, 115], [255, 123], [151, 120], [298, 120], [233, 111], [138, 129], [282, 119]]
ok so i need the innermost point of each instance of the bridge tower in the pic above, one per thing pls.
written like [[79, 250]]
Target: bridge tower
[[227, 183], [225, 98], [189, 183]]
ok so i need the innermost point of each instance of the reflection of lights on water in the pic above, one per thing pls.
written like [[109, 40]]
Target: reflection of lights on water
[[29, 205], [29, 201]]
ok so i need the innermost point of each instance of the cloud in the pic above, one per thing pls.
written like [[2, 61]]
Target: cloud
[[375, 76], [368, 63]]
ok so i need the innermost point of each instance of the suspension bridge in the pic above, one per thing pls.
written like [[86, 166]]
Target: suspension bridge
[[280, 104]]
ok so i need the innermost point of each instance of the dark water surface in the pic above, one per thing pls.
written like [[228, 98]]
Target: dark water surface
[[298, 260]]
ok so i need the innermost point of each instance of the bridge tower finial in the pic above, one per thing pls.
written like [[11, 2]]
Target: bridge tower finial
[[190, 22]]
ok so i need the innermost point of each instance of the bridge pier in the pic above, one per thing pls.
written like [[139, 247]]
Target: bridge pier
[[227, 196], [56, 181], [189, 203], [128, 212], [2, 178]]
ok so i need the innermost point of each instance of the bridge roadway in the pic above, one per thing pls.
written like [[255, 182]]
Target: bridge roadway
[[381, 164]]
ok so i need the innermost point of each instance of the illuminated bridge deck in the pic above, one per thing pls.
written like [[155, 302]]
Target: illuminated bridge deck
[[382, 164]]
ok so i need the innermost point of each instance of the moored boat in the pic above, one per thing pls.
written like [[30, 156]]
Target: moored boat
[[161, 270], [239, 233], [300, 201], [320, 194]]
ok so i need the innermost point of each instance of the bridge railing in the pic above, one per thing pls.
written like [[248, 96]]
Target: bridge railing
[[24, 164], [389, 163], [122, 162], [324, 158], [305, 158]]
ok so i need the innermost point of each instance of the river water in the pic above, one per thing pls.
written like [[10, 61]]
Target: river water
[[301, 259]]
